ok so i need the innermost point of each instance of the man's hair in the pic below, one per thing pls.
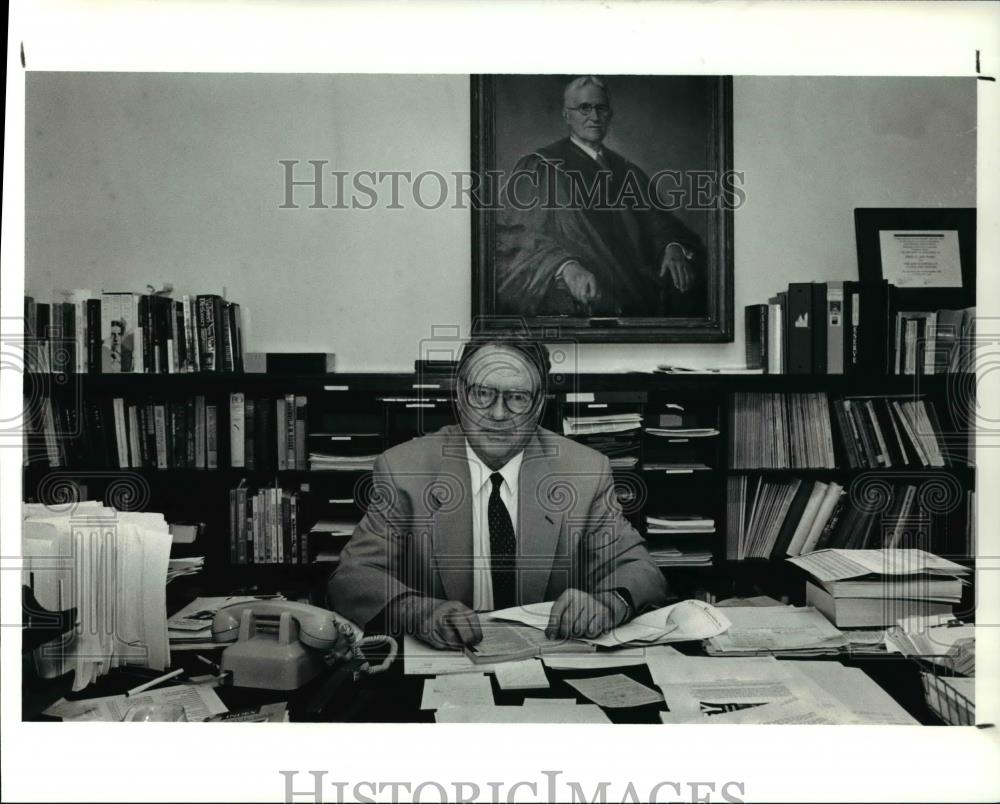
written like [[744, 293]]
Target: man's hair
[[585, 81], [532, 350]]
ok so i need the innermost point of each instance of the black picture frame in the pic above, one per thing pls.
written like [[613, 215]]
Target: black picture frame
[[870, 221], [510, 112]]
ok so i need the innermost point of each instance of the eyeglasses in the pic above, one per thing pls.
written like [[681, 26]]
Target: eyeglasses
[[586, 109], [483, 397]]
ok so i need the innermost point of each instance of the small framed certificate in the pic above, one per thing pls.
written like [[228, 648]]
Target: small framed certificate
[[919, 250]]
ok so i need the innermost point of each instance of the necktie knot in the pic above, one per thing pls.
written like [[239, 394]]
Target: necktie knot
[[497, 480]]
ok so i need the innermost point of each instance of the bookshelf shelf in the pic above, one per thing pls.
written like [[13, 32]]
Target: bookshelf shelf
[[369, 407]]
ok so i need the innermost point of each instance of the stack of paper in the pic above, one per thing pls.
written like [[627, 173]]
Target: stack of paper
[[184, 566], [682, 432], [323, 462], [680, 523], [112, 567], [684, 621], [776, 630], [670, 556], [611, 423]]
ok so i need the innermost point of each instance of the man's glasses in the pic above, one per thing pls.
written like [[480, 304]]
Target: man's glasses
[[483, 397], [587, 109]]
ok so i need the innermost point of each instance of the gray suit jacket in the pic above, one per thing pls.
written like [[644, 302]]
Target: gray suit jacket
[[417, 533]]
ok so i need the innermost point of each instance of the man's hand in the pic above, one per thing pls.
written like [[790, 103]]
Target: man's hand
[[449, 625], [577, 614], [582, 284], [676, 265]]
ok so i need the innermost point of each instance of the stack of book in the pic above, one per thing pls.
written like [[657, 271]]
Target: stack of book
[[852, 328], [122, 332], [933, 341], [780, 431], [265, 527], [869, 588], [613, 432], [889, 432]]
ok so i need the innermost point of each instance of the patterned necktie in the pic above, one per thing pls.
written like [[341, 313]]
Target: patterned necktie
[[502, 548]]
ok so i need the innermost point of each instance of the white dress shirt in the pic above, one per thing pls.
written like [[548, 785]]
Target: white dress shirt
[[482, 488]]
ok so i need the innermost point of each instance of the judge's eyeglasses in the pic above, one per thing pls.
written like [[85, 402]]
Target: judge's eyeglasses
[[586, 109], [483, 397]]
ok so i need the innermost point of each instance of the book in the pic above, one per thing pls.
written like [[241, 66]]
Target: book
[[834, 327], [799, 317], [819, 328], [237, 425], [871, 612], [755, 335]]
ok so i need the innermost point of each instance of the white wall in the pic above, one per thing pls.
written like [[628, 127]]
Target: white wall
[[134, 179]]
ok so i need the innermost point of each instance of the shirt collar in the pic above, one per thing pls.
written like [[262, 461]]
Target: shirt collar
[[480, 472], [593, 154]]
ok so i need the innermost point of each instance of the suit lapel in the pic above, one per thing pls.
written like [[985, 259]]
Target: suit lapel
[[539, 521], [449, 497]]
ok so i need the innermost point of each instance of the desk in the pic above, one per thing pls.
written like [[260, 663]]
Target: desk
[[393, 697]]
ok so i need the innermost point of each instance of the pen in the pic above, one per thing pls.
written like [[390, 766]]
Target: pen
[[209, 662], [154, 682]]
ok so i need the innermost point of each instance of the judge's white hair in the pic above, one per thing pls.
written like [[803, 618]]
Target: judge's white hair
[[585, 81]]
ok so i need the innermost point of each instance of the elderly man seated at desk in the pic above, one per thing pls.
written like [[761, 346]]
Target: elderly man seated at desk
[[494, 512]]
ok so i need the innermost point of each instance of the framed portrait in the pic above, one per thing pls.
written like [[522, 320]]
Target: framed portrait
[[929, 254], [603, 206]]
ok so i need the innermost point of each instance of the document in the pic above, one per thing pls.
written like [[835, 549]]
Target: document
[[537, 713], [199, 701], [615, 692], [457, 690], [680, 622], [864, 700], [785, 629], [789, 712], [921, 259], [839, 565], [504, 642], [526, 675], [420, 659]]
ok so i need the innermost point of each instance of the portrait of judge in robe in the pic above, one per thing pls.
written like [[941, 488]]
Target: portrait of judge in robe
[[609, 193]]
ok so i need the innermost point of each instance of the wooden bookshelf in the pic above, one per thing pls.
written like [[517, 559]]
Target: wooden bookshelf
[[200, 495]]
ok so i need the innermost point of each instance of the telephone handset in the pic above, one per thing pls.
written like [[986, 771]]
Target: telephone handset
[[280, 644]]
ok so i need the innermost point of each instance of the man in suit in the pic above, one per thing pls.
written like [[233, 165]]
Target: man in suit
[[579, 233], [492, 513]]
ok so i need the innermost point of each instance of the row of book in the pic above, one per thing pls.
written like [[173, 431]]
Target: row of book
[[140, 333], [795, 431], [773, 519], [933, 341], [847, 328], [780, 431], [265, 527], [188, 433]]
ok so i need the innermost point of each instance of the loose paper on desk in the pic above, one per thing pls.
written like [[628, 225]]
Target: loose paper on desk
[[554, 713], [864, 701], [199, 702], [525, 675], [457, 690], [680, 622], [550, 701], [615, 692], [755, 629]]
